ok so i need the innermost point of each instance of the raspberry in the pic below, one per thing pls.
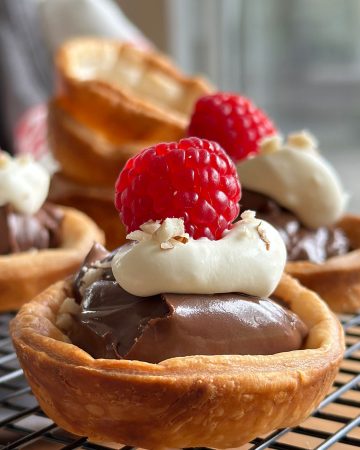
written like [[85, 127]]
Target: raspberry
[[231, 120], [193, 179]]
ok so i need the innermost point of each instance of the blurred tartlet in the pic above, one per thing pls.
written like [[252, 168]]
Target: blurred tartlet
[[293, 187], [40, 243], [112, 100]]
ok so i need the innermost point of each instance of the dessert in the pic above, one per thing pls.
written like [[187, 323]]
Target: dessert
[[171, 341], [40, 243], [302, 196], [294, 188], [112, 100]]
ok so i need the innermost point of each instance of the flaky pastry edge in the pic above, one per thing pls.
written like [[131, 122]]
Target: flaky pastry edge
[[337, 280], [24, 275], [216, 401]]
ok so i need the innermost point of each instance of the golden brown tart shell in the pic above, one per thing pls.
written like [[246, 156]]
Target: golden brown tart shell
[[84, 155], [24, 275], [109, 79], [113, 100], [96, 202], [337, 280], [217, 401]]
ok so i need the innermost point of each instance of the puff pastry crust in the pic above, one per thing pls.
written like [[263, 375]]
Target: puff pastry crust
[[337, 280], [24, 275], [101, 74], [79, 149], [114, 99], [216, 401], [95, 201]]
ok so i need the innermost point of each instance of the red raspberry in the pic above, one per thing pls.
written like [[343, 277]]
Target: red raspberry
[[193, 179], [231, 120]]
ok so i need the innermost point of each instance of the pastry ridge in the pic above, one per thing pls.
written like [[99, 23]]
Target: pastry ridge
[[217, 401], [114, 99], [24, 275], [337, 280]]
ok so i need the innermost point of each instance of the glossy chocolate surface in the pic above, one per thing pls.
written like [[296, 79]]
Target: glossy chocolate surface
[[115, 324], [301, 243], [21, 232]]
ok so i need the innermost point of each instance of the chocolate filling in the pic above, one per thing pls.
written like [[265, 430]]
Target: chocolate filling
[[22, 232], [115, 324], [302, 243]]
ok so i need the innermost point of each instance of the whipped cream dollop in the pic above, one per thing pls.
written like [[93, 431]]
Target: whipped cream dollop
[[296, 176], [249, 258], [24, 183]]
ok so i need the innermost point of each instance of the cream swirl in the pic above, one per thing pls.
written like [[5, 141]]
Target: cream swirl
[[297, 177], [24, 183], [249, 258]]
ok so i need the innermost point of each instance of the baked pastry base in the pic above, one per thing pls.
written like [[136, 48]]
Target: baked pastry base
[[215, 401], [96, 202], [85, 155], [24, 275], [337, 280], [118, 80], [113, 100]]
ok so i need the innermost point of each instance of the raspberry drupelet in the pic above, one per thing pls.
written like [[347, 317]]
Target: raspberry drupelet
[[193, 179], [233, 121]]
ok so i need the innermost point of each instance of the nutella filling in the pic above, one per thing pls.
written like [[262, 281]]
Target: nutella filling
[[302, 243], [22, 232], [115, 324]]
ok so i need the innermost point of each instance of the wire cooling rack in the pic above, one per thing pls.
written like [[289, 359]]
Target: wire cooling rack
[[335, 424]]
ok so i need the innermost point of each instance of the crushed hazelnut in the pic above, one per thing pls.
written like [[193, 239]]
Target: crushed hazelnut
[[168, 234], [270, 144], [248, 215], [263, 236], [150, 227], [302, 140]]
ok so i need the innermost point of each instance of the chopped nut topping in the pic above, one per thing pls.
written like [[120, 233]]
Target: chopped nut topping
[[4, 159], [150, 227], [270, 144], [263, 236], [138, 235], [168, 234], [302, 140], [248, 215]]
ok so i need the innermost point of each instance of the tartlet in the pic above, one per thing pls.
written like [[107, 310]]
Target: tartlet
[[218, 401], [292, 186], [337, 280], [40, 242], [112, 99], [24, 275], [222, 400]]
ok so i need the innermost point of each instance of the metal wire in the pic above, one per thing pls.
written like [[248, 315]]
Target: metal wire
[[24, 425]]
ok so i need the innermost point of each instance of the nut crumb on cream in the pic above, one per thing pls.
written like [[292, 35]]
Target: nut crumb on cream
[[168, 234], [263, 237], [238, 262]]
